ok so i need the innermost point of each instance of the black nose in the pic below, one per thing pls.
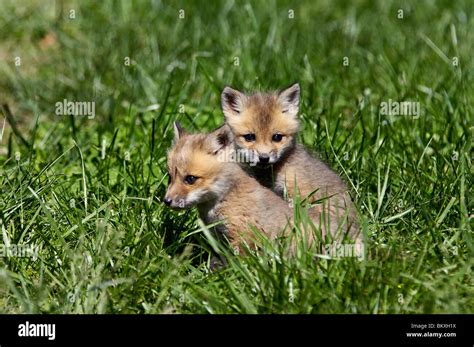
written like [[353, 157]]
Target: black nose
[[167, 201], [263, 158]]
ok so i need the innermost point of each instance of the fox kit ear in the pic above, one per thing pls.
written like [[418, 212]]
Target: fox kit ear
[[220, 139], [232, 102], [290, 99], [178, 131]]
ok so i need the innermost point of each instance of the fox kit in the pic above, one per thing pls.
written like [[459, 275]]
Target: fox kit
[[265, 126], [221, 191]]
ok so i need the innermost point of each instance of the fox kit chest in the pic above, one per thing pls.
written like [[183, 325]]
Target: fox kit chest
[[210, 214], [279, 179]]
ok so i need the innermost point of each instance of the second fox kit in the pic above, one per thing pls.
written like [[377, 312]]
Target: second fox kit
[[265, 126], [221, 191]]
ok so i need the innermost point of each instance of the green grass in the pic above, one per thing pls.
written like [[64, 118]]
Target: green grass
[[106, 242]]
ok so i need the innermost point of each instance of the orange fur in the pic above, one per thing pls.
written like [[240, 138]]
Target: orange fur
[[222, 190], [290, 165]]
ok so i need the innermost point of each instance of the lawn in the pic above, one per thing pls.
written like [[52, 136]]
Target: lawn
[[82, 194]]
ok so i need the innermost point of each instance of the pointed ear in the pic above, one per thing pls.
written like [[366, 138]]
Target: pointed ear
[[232, 102], [178, 131], [290, 99], [220, 139]]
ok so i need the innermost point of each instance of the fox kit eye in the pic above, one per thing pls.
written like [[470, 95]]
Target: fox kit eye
[[277, 137], [249, 137], [189, 179]]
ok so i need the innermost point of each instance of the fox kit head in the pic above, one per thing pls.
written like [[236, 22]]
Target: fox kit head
[[264, 125], [197, 173]]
